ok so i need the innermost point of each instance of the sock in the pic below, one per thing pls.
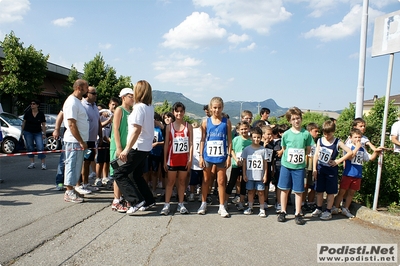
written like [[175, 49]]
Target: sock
[[180, 204], [319, 208], [116, 201], [328, 210], [221, 206]]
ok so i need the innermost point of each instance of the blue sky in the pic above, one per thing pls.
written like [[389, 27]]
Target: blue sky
[[298, 52]]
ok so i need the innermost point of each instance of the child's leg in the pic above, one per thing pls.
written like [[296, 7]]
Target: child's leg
[[298, 200], [207, 178], [284, 198], [154, 180], [261, 198], [232, 181], [311, 195], [182, 177], [250, 197], [320, 200], [117, 192], [171, 179], [349, 198], [329, 201], [339, 197], [221, 179], [99, 170]]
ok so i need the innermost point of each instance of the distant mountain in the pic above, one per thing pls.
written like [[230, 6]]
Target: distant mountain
[[232, 108]]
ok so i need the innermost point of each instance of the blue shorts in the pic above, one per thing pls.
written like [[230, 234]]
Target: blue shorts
[[291, 179], [153, 162], [255, 185], [327, 183]]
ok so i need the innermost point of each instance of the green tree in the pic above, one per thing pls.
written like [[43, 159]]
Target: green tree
[[310, 117], [24, 70], [104, 78], [167, 107]]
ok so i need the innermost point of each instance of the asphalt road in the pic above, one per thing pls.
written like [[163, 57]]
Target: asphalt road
[[38, 228]]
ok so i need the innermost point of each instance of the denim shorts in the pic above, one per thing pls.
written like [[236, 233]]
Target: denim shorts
[[255, 185], [291, 179]]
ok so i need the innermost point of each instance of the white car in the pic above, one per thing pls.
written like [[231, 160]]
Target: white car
[[11, 130]]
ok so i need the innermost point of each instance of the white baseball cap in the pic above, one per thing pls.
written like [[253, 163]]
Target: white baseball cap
[[125, 91]]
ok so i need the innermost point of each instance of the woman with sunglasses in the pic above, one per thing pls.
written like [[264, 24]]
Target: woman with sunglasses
[[34, 131]]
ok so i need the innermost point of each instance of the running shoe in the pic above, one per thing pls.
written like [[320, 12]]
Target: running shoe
[[118, 207], [240, 206], [182, 209], [236, 200], [282, 217], [202, 210], [44, 166], [299, 219], [262, 213], [191, 197], [165, 210], [326, 216], [72, 198], [81, 190], [223, 213], [60, 187], [98, 182], [248, 211], [31, 166], [316, 213], [347, 213], [135, 208], [334, 210]]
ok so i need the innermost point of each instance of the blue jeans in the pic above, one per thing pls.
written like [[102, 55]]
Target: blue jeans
[[61, 168], [73, 163], [30, 147]]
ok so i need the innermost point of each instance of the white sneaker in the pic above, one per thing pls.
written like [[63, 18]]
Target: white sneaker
[[326, 215], [262, 213], [334, 210], [223, 213], [248, 211], [81, 190], [236, 200], [203, 208], [316, 213], [98, 182], [90, 187], [182, 209], [92, 175], [347, 213], [44, 166], [165, 210], [135, 208], [191, 197], [31, 166]]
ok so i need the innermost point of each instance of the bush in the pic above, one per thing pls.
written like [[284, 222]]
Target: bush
[[389, 191]]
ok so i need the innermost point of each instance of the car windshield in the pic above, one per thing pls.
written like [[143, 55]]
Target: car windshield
[[11, 119]]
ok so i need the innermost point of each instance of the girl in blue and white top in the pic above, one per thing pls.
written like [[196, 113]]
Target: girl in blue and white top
[[215, 147]]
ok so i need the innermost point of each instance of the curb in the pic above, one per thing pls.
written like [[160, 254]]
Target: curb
[[377, 218]]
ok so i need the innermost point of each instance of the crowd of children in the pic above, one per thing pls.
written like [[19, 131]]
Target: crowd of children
[[250, 159]]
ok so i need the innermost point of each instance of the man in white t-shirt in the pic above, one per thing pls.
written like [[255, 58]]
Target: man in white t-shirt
[[395, 136], [75, 138]]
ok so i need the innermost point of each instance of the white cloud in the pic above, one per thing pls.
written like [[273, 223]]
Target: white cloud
[[348, 26], [134, 50], [105, 46], [13, 10], [197, 30], [236, 39], [255, 15], [185, 72], [64, 22], [249, 47]]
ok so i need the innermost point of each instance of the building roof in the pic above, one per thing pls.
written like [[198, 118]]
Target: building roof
[[394, 98], [52, 68]]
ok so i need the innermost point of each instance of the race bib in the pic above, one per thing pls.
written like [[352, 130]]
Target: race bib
[[215, 148], [239, 155], [180, 145], [358, 159], [295, 156], [197, 145], [255, 163], [269, 155], [324, 155]]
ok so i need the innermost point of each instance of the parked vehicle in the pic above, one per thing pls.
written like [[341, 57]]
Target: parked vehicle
[[11, 128], [52, 143]]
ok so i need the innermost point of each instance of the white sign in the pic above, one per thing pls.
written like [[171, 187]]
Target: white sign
[[386, 34]]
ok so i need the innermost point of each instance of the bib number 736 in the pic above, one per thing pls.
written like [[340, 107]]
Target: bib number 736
[[295, 156]]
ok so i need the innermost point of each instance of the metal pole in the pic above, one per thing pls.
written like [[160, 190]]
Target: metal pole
[[361, 63], [384, 122]]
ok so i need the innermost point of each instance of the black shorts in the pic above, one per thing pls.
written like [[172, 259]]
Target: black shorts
[[177, 168], [103, 153], [91, 146], [154, 162]]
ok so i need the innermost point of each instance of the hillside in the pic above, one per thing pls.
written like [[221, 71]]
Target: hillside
[[195, 110]]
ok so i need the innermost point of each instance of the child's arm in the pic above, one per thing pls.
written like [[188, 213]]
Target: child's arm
[[348, 155], [166, 144], [315, 161], [376, 153], [244, 167], [190, 155], [357, 147], [202, 140], [265, 163], [371, 146], [229, 126]]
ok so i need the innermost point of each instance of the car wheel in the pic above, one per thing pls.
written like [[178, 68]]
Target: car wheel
[[8, 145], [52, 144]]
